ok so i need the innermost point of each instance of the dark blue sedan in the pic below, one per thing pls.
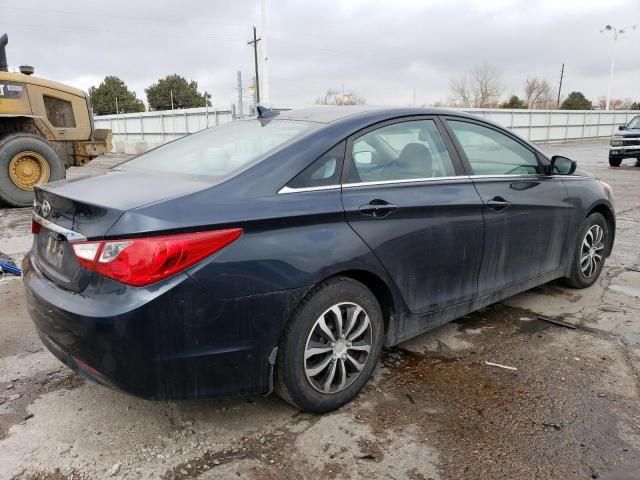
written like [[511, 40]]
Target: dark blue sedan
[[282, 253]]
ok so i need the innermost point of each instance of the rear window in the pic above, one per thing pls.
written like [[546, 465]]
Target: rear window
[[220, 151]]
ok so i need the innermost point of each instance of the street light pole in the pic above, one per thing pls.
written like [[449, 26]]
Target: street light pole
[[616, 32]]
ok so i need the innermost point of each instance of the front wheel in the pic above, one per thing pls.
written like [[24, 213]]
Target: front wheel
[[614, 161], [589, 255], [330, 347]]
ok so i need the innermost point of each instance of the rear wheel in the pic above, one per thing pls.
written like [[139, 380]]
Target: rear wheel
[[25, 161], [589, 255], [330, 347]]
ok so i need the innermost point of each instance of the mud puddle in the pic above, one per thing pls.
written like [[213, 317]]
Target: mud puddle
[[547, 419]]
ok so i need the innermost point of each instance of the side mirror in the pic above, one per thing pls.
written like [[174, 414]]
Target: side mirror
[[562, 165], [622, 127]]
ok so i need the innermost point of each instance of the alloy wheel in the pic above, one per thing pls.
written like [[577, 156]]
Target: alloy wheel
[[338, 347], [591, 253]]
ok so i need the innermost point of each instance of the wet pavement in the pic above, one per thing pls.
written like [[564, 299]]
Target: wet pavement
[[441, 406]]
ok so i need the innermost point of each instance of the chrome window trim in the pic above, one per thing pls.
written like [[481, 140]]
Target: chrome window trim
[[287, 189], [406, 180], [70, 235], [456, 179], [530, 176], [521, 175]]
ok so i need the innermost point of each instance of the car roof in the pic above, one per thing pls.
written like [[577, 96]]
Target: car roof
[[331, 113]]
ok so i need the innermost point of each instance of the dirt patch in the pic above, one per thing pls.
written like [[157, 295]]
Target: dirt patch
[[544, 420], [274, 453], [55, 475], [16, 396], [551, 289]]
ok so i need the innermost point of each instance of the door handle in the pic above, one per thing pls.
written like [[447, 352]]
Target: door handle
[[377, 208], [498, 204]]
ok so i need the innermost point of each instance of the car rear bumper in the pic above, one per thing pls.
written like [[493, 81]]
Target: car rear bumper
[[168, 341]]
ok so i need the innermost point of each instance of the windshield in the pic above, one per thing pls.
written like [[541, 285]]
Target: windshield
[[220, 151], [634, 124]]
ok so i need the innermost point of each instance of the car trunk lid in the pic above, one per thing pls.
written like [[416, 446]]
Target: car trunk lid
[[65, 215]]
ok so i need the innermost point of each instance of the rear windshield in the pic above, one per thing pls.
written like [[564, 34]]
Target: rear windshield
[[220, 151]]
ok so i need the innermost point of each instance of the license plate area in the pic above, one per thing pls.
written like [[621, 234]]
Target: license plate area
[[52, 249], [55, 258]]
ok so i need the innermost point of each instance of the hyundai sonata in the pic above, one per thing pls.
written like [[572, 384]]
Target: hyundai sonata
[[283, 252]]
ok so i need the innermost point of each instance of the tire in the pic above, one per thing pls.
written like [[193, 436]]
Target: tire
[[614, 162], [10, 147], [303, 381], [578, 277]]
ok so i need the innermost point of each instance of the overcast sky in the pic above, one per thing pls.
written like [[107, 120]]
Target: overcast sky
[[382, 50]]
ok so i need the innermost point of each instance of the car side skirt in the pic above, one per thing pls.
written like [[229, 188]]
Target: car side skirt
[[407, 325]]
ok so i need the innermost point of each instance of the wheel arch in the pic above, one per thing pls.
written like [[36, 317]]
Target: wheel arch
[[389, 301], [607, 212]]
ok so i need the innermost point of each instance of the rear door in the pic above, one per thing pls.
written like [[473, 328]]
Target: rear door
[[408, 198], [526, 212]]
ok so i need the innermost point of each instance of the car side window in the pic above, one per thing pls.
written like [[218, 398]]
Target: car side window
[[325, 170], [493, 153], [401, 151]]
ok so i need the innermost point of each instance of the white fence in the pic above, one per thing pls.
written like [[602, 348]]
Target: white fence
[[138, 132], [544, 126]]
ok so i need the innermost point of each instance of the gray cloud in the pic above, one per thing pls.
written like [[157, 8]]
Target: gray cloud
[[383, 50]]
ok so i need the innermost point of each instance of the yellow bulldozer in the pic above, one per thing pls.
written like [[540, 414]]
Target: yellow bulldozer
[[45, 128]]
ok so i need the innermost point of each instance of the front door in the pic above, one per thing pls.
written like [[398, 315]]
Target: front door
[[526, 212], [410, 201]]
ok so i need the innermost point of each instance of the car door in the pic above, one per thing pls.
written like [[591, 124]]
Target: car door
[[527, 213], [409, 199]]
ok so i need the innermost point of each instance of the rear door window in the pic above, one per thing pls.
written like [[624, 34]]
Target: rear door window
[[400, 151]]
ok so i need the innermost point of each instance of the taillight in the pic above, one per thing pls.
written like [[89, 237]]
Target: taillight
[[142, 261], [35, 227]]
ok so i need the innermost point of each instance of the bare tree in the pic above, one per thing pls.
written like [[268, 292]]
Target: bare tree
[[479, 88], [460, 92], [537, 93], [615, 103], [334, 97]]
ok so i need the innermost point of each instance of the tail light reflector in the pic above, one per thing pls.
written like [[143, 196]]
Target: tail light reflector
[[143, 261]]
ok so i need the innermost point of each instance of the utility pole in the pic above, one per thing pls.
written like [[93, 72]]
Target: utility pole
[[254, 42], [239, 93], [171, 93], [265, 56], [560, 86]]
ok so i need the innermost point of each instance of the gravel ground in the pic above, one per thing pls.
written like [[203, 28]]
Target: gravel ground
[[434, 409]]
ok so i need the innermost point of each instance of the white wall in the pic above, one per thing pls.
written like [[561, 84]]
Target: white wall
[[138, 132], [558, 125]]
